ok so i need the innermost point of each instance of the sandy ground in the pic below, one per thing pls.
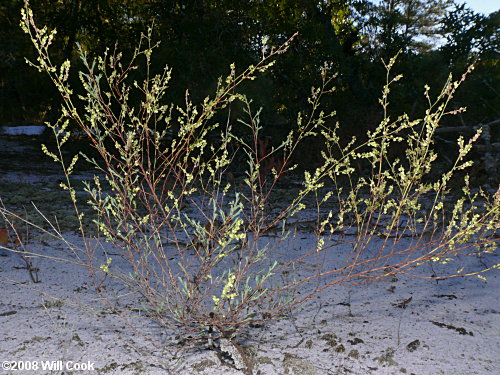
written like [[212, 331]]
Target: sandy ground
[[449, 327]]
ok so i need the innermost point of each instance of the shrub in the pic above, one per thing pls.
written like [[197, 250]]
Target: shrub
[[201, 246]]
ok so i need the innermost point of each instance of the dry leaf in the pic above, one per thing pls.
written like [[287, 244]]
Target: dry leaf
[[19, 239], [4, 237]]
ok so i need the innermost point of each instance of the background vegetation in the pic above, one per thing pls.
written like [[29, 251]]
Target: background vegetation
[[200, 38]]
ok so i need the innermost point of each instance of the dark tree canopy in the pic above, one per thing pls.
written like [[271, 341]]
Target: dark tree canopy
[[201, 38]]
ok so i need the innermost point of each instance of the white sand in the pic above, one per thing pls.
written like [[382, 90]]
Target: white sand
[[449, 327]]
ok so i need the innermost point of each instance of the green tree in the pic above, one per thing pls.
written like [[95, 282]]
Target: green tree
[[407, 25], [473, 38], [95, 24], [470, 35], [326, 32], [24, 95]]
